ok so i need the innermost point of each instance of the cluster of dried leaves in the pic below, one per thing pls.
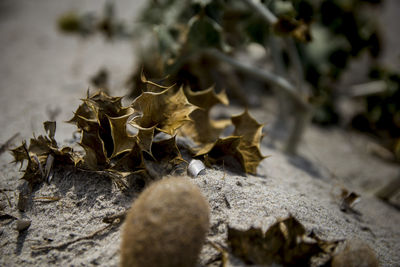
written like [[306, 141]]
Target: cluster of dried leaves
[[285, 243], [121, 141]]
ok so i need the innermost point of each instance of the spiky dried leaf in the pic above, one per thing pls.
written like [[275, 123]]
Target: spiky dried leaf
[[122, 141], [284, 243], [145, 139], [247, 127], [167, 111], [131, 161], [202, 128]]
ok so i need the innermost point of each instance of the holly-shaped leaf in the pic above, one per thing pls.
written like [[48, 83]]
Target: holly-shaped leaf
[[145, 139], [131, 161], [50, 127], [95, 152], [167, 111], [166, 150], [202, 128], [285, 243], [251, 132], [122, 141], [20, 154], [247, 127]]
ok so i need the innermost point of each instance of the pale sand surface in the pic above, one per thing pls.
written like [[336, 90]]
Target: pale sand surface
[[42, 69]]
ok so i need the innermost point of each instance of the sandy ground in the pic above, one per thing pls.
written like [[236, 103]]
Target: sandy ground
[[41, 69]]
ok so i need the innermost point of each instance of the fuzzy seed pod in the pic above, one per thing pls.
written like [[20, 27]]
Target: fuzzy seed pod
[[355, 254], [166, 225]]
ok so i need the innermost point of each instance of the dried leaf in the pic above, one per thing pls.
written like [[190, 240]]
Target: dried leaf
[[132, 161], [285, 243], [50, 127], [247, 127], [166, 111], [206, 99], [40, 145], [152, 86], [145, 139], [222, 151], [248, 156], [202, 129], [251, 132], [122, 141], [296, 28], [95, 152], [348, 200], [167, 151], [20, 153], [222, 147], [251, 157]]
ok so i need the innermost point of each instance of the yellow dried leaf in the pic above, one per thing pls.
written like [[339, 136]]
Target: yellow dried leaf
[[202, 128], [206, 99], [122, 141], [247, 127], [152, 86], [166, 111], [145, 139], [251, 157], [50, 127], [20, 154], [251, 132]]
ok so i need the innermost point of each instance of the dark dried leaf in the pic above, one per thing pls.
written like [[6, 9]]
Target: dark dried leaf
[[167, 151], [296, 28], [20, 153], [284, 243], [244, 145], [132, 161], [50, 127]]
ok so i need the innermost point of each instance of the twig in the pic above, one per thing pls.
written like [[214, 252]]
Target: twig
[[223, 251], [65, 244], [264, 12], [367, 89], [47, 199], [121, 216], [260, 74]]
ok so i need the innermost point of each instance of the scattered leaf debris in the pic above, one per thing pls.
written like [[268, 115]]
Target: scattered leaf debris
[[348, 200], [285, 243]]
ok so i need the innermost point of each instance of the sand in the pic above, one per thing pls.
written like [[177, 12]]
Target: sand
[[42, 69]]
